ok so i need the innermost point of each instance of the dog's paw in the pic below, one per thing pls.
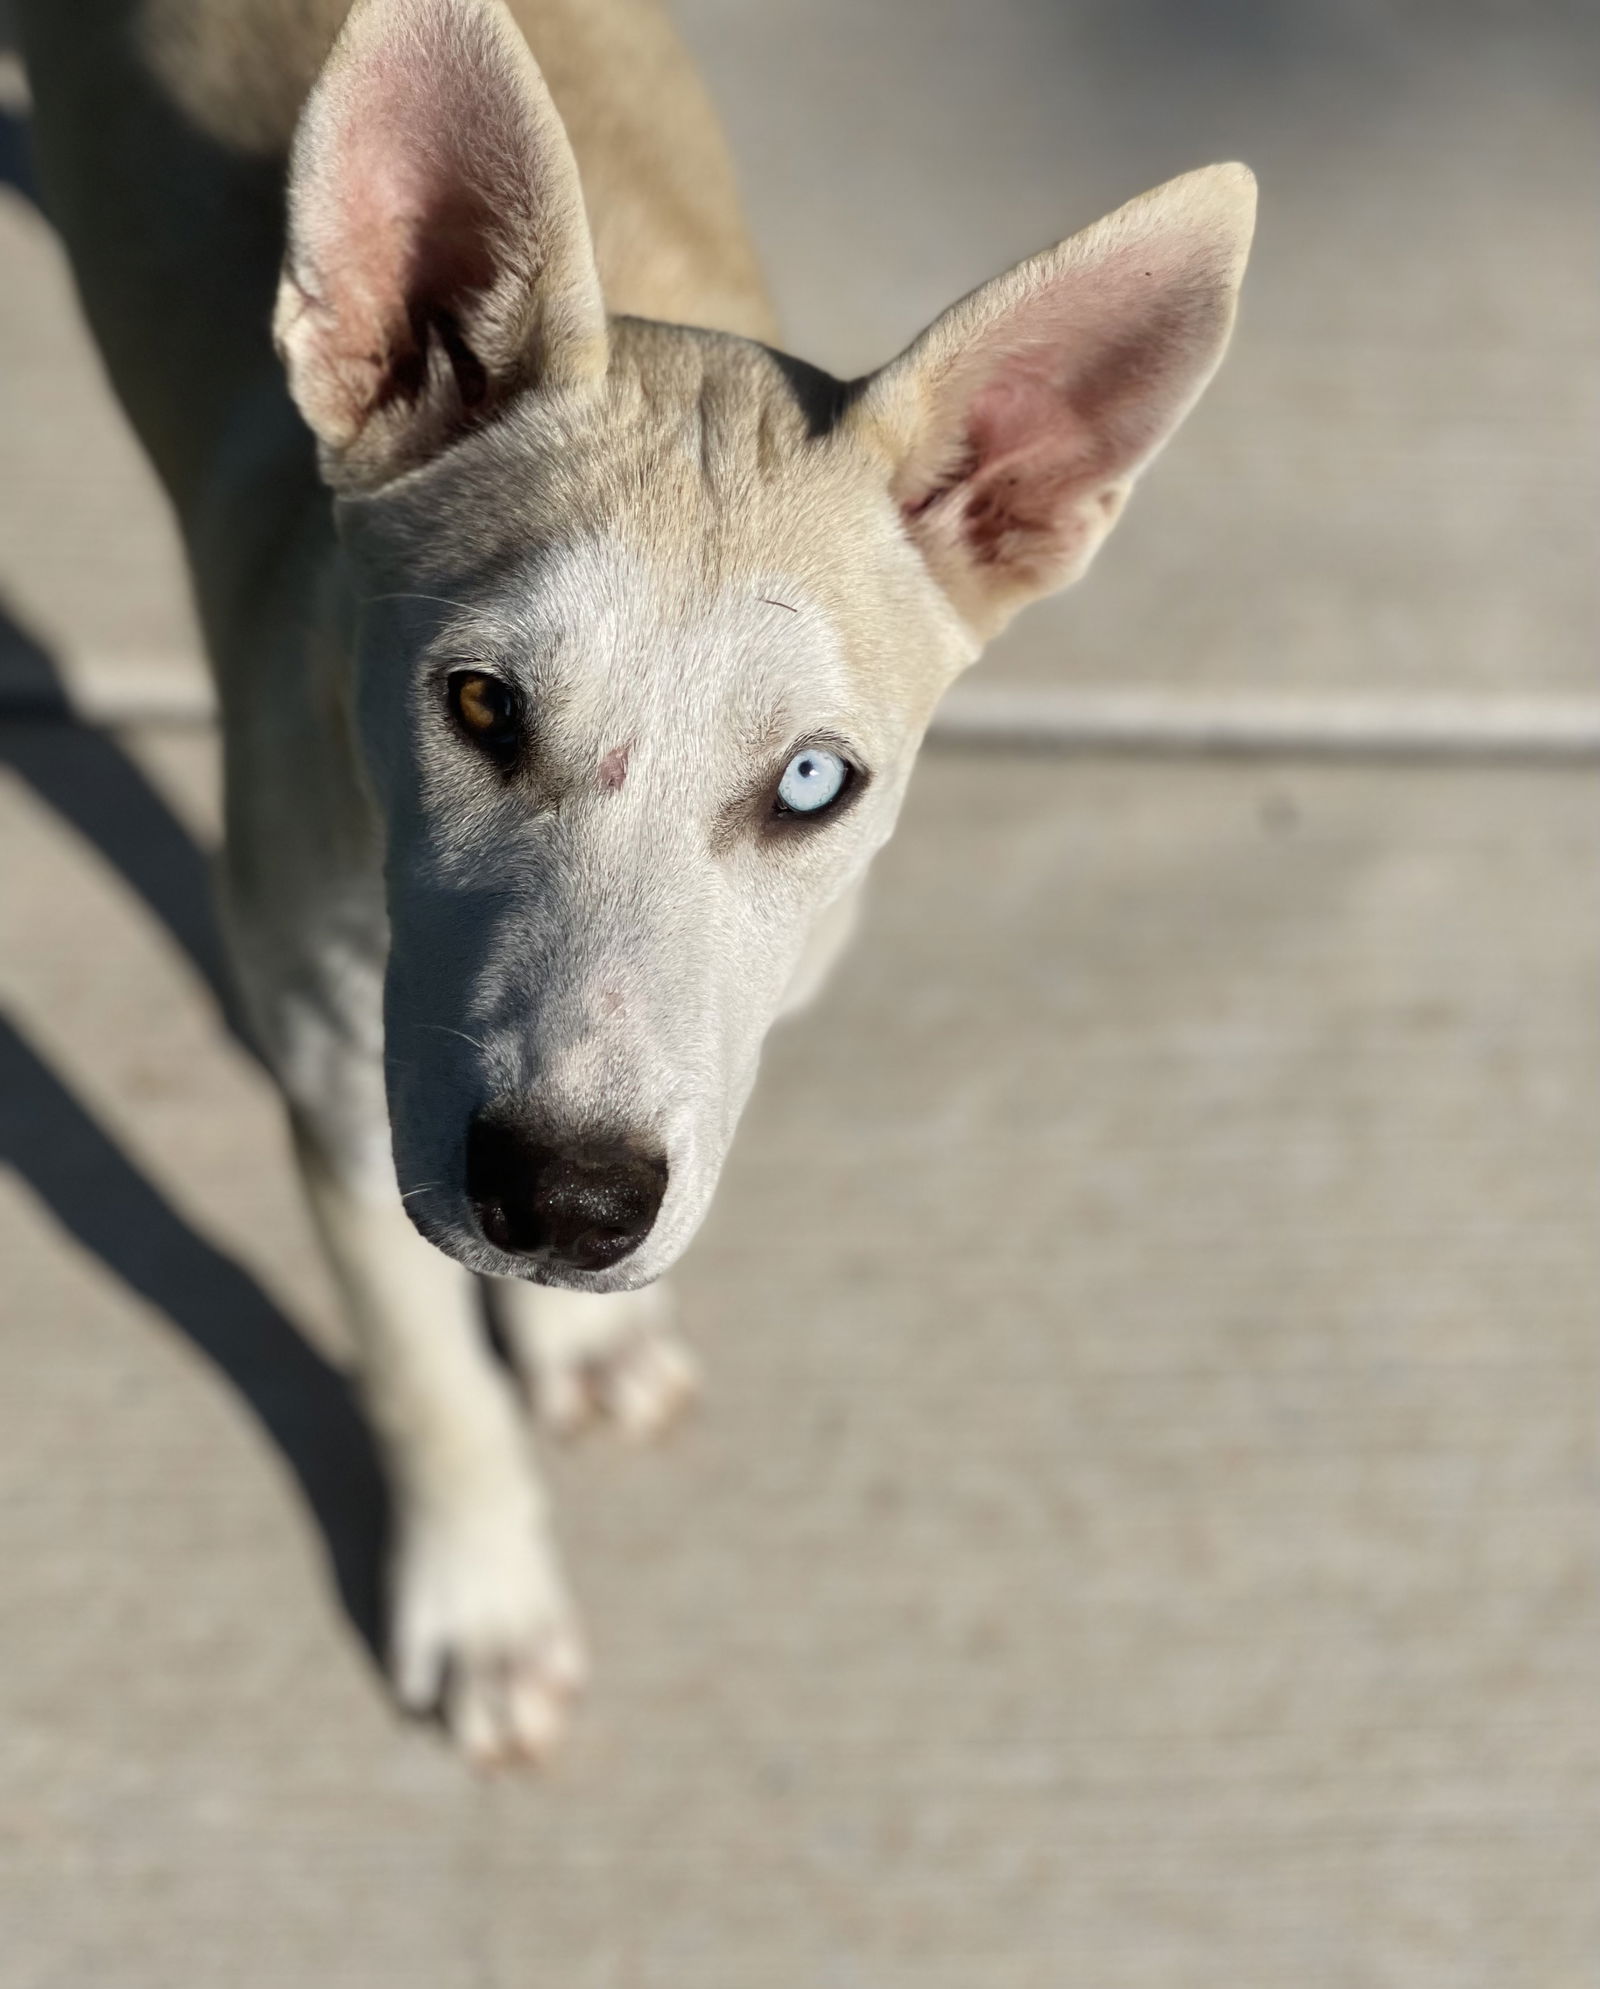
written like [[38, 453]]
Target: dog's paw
[[642, 1385], [483, 1634], [614, 1358]]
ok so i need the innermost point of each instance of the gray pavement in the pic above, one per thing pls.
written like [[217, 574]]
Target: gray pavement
[[1143, 1527], [1143, 1531]]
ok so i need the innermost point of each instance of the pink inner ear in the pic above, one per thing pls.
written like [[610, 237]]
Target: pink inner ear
[[407, 236], [413, 219], [1025, 457], [1053, 409], [1028, 455], [1018, 408]]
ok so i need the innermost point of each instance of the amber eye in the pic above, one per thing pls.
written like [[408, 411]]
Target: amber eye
[[487, 710]]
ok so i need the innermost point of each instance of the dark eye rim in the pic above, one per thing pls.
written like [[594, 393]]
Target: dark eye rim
[[504, 744]]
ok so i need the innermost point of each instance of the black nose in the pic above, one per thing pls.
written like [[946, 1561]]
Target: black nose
[[584, 1203]]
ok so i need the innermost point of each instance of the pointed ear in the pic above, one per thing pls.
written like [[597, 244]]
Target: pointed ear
[[438, 257], [1017, 423]]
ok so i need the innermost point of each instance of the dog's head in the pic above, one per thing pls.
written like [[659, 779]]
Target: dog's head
[[652, 619]]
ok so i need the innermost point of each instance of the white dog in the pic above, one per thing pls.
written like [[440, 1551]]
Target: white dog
[[573, 646]]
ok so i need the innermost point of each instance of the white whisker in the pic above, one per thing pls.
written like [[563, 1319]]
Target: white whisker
[[444, 601], [444, 1029]]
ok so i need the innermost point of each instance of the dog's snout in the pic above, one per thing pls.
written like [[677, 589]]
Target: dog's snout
[[583, 1203]]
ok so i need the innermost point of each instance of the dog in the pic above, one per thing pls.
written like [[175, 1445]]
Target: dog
[[573, 645]]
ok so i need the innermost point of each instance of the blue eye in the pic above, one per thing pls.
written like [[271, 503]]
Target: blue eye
[[812, 779]]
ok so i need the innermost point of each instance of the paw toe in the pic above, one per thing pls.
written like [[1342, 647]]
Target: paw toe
[[649, 1392], [503, 1709], [643, 1387]]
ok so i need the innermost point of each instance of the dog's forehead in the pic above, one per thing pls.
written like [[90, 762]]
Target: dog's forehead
[[608, 602], [630, 643]]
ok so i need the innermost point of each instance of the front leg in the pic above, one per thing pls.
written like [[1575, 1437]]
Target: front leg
[[586, 1356], [481, 1626]]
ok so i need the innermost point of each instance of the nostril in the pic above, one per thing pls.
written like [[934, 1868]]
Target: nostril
[[584, 1203], [502, 1165]]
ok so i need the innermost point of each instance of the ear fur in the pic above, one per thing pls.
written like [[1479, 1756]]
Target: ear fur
[[1018, 421], [438, 256]]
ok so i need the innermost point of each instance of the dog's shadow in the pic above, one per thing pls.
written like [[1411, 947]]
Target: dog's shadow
[[98, 1195]]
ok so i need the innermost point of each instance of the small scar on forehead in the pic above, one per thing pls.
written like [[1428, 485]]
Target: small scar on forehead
[[614, 767]]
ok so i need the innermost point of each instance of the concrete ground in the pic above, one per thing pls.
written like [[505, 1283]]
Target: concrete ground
[[1143, 1532]]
